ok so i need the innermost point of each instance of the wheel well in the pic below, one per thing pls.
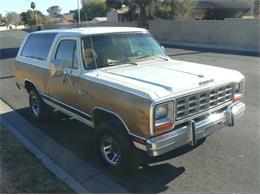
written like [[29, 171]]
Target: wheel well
[[28, 85], [101, 116]]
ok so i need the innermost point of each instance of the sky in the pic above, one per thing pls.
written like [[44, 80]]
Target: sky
[[42, 5]]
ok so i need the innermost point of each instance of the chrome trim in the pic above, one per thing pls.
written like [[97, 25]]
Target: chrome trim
[[69, 113], [32, 83], [189, 134], [203, 113], [137, 136], [190, 105], [65, 104], [139, 146], [181, 94]]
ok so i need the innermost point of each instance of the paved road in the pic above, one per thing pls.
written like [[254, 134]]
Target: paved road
[[227, 162]]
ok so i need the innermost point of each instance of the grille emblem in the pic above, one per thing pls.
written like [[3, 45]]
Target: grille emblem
[[206, 82]]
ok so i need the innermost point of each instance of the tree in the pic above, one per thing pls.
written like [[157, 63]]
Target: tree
[[142, 20], [256, 9], [115, 4], [134, 6], [33, 5], [12, 18], [1, 17], [131, 15], [54, 11], [178, 9], [91, 9], [28, 17]]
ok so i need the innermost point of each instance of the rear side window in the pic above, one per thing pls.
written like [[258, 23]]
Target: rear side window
[[37, 46]]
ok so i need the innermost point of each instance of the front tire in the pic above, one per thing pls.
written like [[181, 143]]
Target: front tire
[[116, 151], [38, 107]]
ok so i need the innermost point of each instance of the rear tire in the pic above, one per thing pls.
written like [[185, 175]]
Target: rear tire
[[38, 107], [116, 151]]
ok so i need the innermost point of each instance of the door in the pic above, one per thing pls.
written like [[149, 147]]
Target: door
[[63, 86]]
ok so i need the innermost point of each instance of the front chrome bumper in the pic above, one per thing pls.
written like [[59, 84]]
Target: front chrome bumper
[[194, 130]]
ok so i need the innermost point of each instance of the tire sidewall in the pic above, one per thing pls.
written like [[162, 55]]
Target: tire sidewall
[[127, 161]]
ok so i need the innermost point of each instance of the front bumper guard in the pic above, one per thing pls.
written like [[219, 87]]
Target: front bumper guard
[[189, 134]]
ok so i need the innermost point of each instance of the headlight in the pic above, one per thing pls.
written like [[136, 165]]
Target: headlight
[[161, 111], [238, 91], [163, 117], [239, 86]]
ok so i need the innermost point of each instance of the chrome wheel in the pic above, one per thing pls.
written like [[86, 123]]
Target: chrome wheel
[[35, 105], [110, 150]]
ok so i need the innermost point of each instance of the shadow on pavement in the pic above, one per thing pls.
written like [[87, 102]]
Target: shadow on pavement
[[8, 53], [151, 179], [79, 139]]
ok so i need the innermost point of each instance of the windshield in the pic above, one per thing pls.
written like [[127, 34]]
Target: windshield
[[117, 49]]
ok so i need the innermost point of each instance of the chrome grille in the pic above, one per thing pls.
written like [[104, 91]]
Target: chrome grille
[[199, 102]]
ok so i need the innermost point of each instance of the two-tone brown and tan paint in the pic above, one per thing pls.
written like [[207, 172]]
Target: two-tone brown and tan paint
[[35, 74], [133, 109], [88, 95]]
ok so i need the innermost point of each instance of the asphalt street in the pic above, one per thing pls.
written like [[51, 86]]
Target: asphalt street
[[226, 162]]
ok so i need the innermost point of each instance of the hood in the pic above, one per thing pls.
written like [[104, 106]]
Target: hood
[[163, 78]]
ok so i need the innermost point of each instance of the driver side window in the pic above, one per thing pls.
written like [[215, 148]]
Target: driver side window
[[67, 54]]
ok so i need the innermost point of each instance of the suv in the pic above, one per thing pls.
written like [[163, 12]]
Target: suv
[[119, 81]]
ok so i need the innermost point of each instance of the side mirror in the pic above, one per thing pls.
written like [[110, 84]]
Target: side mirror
[[163, 48], [56, 68]]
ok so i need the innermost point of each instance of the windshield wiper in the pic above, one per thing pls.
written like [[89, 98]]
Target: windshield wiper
[[161, 57], [145, 56], [113, 63]]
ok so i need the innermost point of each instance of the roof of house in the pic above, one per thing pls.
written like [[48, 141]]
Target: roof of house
[[101, 19], [122, 10]]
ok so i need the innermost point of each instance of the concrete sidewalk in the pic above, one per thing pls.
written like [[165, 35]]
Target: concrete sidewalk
[[76, 173]]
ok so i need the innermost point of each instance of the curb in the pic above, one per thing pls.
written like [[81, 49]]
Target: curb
[[211, 48], [52, 166], [93, 180]]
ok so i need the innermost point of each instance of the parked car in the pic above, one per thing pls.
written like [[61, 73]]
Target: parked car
[[119, 81]]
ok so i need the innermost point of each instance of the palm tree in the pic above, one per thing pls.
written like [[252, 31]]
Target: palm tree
[[142, 21], [33, 6], [256, 9]]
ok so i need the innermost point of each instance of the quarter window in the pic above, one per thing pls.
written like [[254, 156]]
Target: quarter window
[[37, 46], [67, 53]]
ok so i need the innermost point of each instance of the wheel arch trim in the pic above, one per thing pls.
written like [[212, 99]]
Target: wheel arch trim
[[30, 81], [118, 117]]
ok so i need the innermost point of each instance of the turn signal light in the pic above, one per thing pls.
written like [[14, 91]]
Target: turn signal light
[[238, 97], [164, 126]]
